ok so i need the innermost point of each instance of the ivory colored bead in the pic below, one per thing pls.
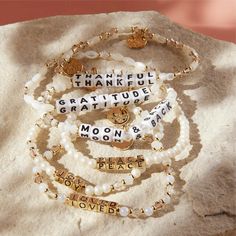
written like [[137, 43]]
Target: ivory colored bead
[[49, 170], [92, 163], [61, 197], [137, 110], [166, 199], [128, 180], [170, 179], [98, 190], [124, 211], [148, 211], [106, 188], [36, 170], [136, 173], [48, 154], [89, 190], [43, 187]]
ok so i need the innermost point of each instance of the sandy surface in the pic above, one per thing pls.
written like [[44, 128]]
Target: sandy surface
[[205, 198]]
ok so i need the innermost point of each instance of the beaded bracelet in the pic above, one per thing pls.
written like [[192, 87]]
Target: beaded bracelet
[[181, 146], [91, 203], [67, 178], [68, 65], [136, 38]]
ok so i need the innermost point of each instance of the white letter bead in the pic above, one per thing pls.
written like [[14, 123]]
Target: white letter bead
[[110, 80], [150, 78], [62, 106], [145, 93], [83, 104], [94, 102], [118, 135], [120, 81], [84, 130], [136, 97], [78, 80], [126, 98], [115, 99], [135, 132], [98, 80], [140, 79], [95, 133], [107, 134], [130, 80], [105, 101]]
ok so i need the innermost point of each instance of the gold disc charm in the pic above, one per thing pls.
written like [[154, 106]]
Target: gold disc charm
[[123, 145], [72, 66], [118, 115], [136, 41], [139, 37]]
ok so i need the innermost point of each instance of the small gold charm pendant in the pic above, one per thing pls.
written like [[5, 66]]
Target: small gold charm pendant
[[136, 41], [139, 38], [118, 115], [71, 67], [123, 145]]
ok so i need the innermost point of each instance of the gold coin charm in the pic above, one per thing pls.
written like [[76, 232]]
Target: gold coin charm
[[72, 66], [123, 145], [136, 41], [118, 115], [139, 38]]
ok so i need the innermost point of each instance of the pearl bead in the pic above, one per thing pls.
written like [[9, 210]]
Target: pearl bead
[[170, 179], [118, 186], [36, 160], [61, 197], [72, 116], [166, 199], [98, 190], [48, 155], [157, 159], [49, 170], [170, 190], [43, 165], [43, 187], [92, 163], [139, 66], [128, 180], [136, 173], [91, 54], [124, 211], [106, 188], [157, 145], [137, 110], [71, 152], [54, 122], [148, 211], [148, 162], [89, 190], [36, 170]]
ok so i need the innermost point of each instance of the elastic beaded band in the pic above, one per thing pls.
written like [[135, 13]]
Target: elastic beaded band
[[66, 178]]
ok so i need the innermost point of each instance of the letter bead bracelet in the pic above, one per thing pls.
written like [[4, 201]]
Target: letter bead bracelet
[[76, 89]]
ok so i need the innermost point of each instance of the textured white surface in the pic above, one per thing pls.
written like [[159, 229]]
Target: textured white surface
[[205, 200]]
